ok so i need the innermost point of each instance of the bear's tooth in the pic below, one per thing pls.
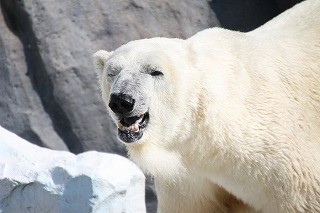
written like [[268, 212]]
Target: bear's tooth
[[136, 127]]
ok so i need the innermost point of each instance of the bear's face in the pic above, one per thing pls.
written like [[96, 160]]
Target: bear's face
[[146, 86]]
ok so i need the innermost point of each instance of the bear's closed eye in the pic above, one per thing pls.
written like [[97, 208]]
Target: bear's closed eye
[[156, 73]]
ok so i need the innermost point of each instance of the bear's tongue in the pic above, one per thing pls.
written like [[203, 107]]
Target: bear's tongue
[[130, 123]]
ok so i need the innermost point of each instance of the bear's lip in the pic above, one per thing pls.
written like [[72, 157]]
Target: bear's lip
[[130, 129]]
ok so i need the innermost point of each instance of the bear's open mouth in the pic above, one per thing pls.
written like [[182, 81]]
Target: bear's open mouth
[[130, 129]]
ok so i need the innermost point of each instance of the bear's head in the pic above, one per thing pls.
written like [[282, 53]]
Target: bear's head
[[149, 90]]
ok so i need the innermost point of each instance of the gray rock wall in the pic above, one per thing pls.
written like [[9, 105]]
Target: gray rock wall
[[48, 88]]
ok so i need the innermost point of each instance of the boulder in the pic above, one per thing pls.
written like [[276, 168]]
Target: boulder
[[34, 179]]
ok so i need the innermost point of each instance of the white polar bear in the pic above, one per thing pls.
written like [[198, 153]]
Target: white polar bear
[[224, 121]]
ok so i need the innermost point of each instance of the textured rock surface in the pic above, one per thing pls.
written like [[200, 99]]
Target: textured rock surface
[[48, 88], [20, 105], [58, 181]]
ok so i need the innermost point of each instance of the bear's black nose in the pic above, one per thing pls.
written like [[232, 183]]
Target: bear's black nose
[[121, 103]]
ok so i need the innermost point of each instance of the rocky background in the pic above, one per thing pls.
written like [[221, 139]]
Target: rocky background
[[48, 89]]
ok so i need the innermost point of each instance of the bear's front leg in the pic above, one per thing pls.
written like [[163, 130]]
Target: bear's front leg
[[196, 195]]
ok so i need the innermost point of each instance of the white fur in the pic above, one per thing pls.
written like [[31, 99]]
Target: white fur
[[235, 111]]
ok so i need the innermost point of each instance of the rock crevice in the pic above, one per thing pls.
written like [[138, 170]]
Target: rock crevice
[[18, 20]]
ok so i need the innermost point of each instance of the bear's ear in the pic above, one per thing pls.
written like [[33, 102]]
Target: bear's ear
[[99, 60]]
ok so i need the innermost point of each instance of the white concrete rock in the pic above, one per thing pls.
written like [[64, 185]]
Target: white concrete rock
[[34, 179]]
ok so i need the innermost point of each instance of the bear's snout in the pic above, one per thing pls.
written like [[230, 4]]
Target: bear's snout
[[121, 103]]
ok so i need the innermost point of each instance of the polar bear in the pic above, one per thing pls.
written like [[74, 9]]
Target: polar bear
[[225, 121]]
